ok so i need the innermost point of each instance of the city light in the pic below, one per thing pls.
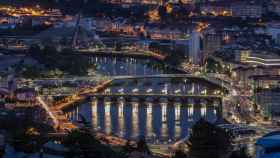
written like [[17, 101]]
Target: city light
[[23, 11], [139, 78]]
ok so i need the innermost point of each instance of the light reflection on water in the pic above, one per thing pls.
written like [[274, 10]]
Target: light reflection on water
[[128, 66], [157, 121]]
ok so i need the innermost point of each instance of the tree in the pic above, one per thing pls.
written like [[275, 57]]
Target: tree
[[242, 153], [127, 149], [30, 72], [118, 46], [34, 49], [180, 154], [142, 146], [82, 143], [28, 140], [208, 141]]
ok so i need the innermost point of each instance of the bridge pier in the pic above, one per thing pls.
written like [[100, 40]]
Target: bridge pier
[[135, 119], [170, 110], [94, 113], [203, 108], [149, 123], [190, 104], [177, 119], [164, 128], [121, 117], [76, 113], [218, 105], [107, 117]]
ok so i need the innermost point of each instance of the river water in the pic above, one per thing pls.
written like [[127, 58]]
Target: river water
[[158, 120]]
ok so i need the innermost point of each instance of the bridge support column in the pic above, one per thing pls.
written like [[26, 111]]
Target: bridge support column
[[121, 117], [164, 119], [94, 114], [197, 110], [107, 117], [218, 105], [72, 115], [76, 113], [203, 108], [177, 119], [210, 109], [190, 104], [149, 120], [67, 115], [135, 119], [192, 89]]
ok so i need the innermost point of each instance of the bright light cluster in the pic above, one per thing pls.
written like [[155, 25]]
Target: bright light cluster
[[23, 11], [201, 26]]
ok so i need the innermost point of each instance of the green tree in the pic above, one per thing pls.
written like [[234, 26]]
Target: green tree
[[127, 149], [180, 154], [142, 146], [28, 140], [34, 49], [242, 153], [208, 141], [83, 144], [118, 46], [30, 72]]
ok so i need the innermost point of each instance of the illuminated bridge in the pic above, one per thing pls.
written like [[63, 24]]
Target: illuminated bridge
[[166, 85], [170, 86], [200, 78], [159, 107]]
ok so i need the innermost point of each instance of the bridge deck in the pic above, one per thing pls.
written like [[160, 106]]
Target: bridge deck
[[155, 95], [220, 83], [129, 53]]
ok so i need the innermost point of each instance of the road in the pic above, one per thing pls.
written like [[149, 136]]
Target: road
[[127, 52], [47, 109]]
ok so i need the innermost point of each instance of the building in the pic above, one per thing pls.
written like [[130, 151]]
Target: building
[[247, 9], [268, 100], [216, 9], [166, 33], [274, 6], [25, 94], [10, 20], [102, 24], [268, 146], [273, 29], [195, 48], [135, 2], [212, 42]]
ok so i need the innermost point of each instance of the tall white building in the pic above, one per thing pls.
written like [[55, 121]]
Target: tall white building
[[194, 52]]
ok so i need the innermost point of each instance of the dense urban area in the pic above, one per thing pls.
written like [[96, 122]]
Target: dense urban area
[[139, 79]]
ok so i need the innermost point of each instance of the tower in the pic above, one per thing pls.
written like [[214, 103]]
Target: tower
[[194, 56]]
